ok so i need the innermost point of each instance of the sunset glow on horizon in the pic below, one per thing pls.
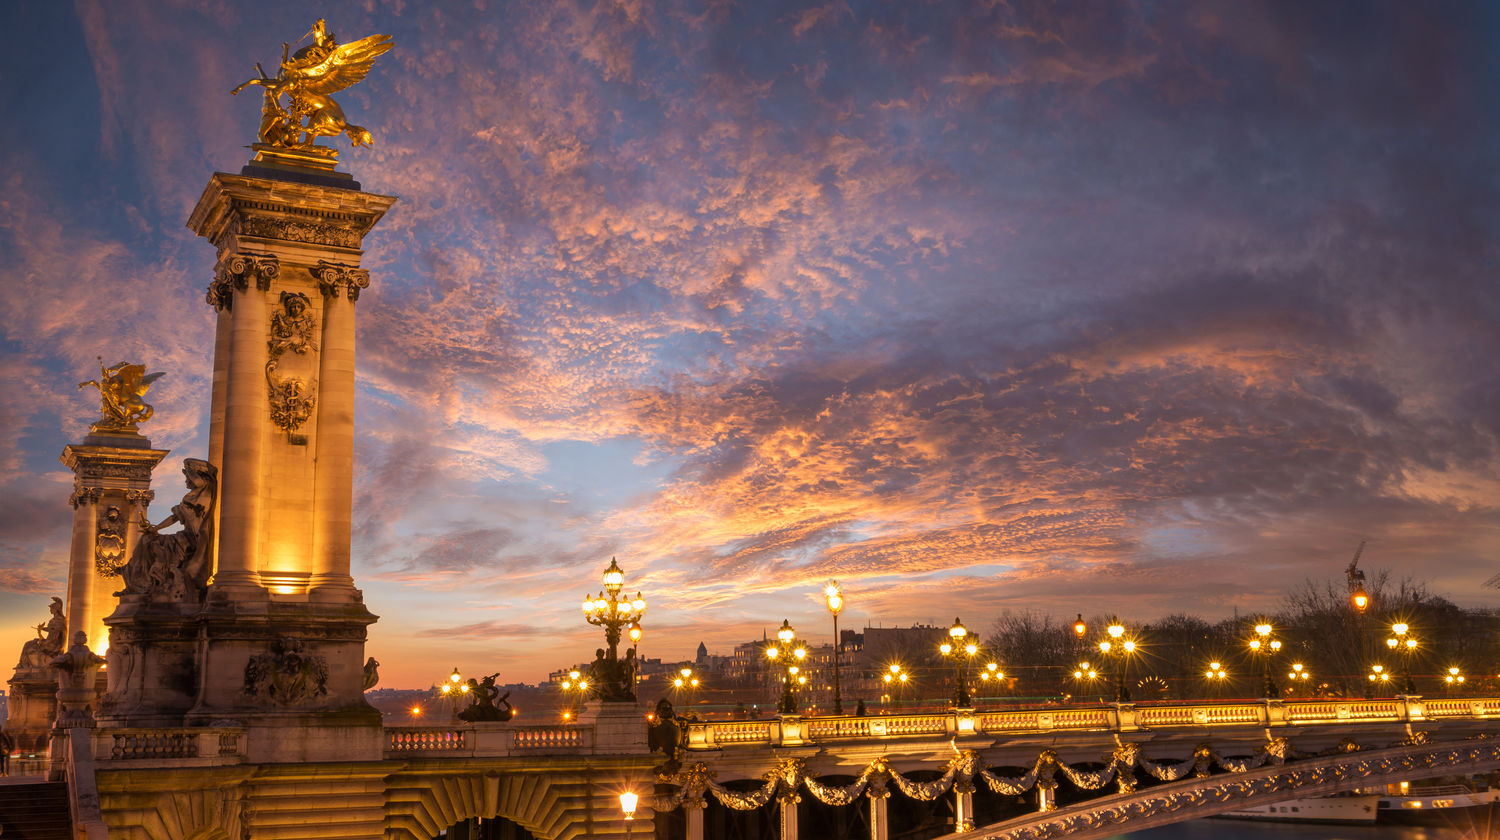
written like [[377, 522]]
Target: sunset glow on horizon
[[971, 307]]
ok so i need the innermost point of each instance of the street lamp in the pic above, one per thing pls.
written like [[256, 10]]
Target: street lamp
[[574, 682], [962, 647], [455, 689], [627, 806], [1266, 646], [1298, 674], [1085, 675], [1454, 678], [991, 671], [1119, 647], [616, 679], [835, 598], [1404, 646], [788, 655], [686, 683], [895, 680], [1378, 676]]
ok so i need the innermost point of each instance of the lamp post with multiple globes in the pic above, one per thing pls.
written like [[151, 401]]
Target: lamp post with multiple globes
[[1404, 646], [787, 653], [895, 679], [835, 598], [1120, 648], [962, 647], [1264, 645], [455, 690], [615, 680]]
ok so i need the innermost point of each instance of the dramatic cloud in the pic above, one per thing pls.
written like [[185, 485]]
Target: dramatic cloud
[[973, 306]]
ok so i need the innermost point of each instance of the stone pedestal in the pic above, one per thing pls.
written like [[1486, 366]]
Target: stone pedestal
[[619, 727], [111, 490], [31, 706]]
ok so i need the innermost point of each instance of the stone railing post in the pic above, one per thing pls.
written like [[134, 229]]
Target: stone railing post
[[963, 804], [879, 795]]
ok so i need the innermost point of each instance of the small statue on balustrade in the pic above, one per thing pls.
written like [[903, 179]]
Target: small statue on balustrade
[[483, 708]]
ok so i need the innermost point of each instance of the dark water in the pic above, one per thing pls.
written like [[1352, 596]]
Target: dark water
[[1476, 829]]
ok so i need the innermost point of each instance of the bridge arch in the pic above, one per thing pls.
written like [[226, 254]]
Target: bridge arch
[[551, 805], [1203, 797]]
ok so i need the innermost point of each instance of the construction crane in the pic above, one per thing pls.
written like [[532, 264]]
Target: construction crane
[[1356, 574]]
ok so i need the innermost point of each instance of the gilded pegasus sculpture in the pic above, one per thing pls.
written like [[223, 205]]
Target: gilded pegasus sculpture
[[298, 108]]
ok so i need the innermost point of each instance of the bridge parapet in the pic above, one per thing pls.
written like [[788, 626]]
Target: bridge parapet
[[174, 747], [488, 741], [1124, 717]]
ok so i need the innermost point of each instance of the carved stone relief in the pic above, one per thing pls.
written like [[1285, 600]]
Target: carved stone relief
[[109, 543], [285, 675], [292, 230], [293, 334]]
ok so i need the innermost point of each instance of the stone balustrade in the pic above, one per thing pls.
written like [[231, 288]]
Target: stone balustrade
[[488, 740], [197, 747], [1125, 717]]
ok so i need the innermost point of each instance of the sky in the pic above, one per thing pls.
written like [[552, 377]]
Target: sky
[[975, 307]]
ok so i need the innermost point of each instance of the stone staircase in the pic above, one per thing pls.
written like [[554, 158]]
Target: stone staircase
[[37, 811]]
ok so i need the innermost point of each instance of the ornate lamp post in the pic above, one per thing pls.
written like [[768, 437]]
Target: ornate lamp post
[[991, 671], [1085, 675], [1404, 646], [686, 683], [835, 598], [962, 647], [895, 680], [1454, 678], [613, 679], [1298, 674], [1120, 648], [1266, 646], [788, 654], [1379, 677], [1216, 676], [574, 682], [455, 689]]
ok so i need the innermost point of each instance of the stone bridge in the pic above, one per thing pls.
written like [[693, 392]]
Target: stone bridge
[[1081, 772]]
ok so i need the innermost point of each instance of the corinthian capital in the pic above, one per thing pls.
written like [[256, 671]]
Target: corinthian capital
[[235, 272], [335, 277]]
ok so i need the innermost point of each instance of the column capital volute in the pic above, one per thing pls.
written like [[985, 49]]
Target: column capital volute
[[236, 270], [334, 277]]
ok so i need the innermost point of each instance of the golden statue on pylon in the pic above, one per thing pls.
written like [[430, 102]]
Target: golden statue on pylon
[[298, 109], [122, 390]]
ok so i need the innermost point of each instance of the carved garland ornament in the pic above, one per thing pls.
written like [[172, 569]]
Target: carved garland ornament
[[782, 782], [235, 272], [291, 230]]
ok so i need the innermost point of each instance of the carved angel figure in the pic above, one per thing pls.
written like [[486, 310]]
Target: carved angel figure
[[298, 107], [122, 390]]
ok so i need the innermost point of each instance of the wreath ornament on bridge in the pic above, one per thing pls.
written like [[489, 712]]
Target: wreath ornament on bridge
[[694, 780]]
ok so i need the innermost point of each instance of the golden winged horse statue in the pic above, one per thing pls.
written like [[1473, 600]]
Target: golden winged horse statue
[[298, 107]]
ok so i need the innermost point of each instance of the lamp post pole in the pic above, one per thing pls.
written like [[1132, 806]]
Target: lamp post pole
[[835, 598]]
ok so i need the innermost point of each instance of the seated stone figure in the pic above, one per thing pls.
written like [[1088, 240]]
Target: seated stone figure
[[49, 639], [176, 566]]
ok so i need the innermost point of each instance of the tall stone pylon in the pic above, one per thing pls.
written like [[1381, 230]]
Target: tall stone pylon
[[274, 639], [111, 491]]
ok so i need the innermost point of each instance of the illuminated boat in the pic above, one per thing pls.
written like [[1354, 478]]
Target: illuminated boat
[[1343, 809], [1445, 805]]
